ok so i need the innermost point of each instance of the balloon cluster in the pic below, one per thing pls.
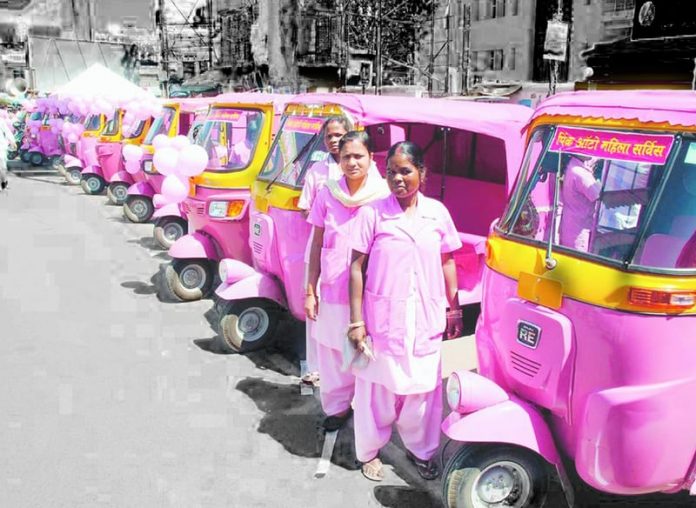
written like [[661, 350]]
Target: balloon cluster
[[178, 159], [72, 131]]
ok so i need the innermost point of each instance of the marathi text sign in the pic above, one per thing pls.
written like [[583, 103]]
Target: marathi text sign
[[225, 115], [304, 124], [624, 146]]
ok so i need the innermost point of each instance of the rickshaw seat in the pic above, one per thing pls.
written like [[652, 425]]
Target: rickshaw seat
[[683, 226], [661, 251]]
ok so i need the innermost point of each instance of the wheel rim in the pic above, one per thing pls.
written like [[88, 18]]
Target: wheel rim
[[193, 276], [139, 208], [172, 231], [74, 175], [120, 192], [502, 484], [93, 184], [253, 324]]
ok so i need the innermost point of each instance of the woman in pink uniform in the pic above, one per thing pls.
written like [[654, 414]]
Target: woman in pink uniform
[[333, 214], [314, 180], [398, 306], [579, 194]]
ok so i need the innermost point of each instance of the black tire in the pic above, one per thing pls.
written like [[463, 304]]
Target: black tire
[[248, 325], [525, 472], [36, 159], [24, 156], [12, 154], [73, 175], [138, 209], [168, 230], [117, 192], [92, 184], [190, 279]]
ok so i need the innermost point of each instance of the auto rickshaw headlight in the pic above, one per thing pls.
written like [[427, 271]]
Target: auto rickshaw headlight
[[454, 391], [226, 209], [223, 270], [217, 208]]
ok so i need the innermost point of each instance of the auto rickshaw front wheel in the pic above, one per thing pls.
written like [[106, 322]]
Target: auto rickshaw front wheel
[[12, 154], [24, 156], [138, 209], [92, 184], [117, 193], [495, 475], [190, 279], [248, 326], [36, 158], [168, 230], [73, 175]]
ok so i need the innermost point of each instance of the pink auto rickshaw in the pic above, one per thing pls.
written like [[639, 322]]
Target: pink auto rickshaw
[[237, 134], [30, 150], [67, 147], [86, 154], [93, 179], [472, 150], [586, 335], [178, 117]]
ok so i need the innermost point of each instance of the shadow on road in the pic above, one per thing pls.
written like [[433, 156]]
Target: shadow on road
[[405, 497], [140, 288], [294, 421], [157, 286], [147, 242]]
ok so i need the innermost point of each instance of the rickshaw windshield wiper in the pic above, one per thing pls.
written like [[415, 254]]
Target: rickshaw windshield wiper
[[297, 158], [549, 262]]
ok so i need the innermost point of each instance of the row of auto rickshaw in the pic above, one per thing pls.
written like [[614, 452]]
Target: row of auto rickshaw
[[578, 221]]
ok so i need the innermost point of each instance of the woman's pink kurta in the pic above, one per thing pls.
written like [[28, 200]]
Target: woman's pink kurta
[[315, 179], [579, 195]]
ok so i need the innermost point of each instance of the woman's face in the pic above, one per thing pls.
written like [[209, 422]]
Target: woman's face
[[403, 177], [333, 134], [355, 160]]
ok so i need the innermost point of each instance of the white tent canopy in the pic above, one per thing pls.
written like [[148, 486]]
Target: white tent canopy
[[98, 81]]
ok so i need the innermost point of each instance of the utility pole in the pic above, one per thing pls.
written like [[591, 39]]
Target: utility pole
[[447, 69], [210, 34], [165, 46], [431, 66], [378, 74], [466, 48]]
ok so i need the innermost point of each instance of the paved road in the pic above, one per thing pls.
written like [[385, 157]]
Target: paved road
[[113, 395]]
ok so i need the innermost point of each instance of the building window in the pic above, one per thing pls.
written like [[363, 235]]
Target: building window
[[498, 58], [488, 9], [514, 7], [619, 5], [511, 59]]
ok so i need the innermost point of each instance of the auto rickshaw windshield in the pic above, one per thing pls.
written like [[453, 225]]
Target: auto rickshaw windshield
[[111, 128], [161, 124], [230, 136], [298, 142], [137, 130], [623, 197], [36, 115], [92, 122]]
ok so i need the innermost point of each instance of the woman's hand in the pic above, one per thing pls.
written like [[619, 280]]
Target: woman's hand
[[311, 307], [357, 337], [455, 324]]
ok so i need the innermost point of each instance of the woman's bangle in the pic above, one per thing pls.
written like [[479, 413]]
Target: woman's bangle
[[357, 324], [310, 294]]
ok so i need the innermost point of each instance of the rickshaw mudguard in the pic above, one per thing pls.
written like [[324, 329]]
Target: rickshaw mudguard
[[512, 421], [92, 169], [71, 161], [141, 189], [121, 176], [194, 246], [256, 285], [170, 210]]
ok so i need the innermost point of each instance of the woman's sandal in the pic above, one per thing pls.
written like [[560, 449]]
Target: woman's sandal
[[427, 469], [373, 470]]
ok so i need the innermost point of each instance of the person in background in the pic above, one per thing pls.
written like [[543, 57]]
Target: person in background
[[579, 194], [241, 151], [315, 179], [402, 278], [332, 217], [7, 142]]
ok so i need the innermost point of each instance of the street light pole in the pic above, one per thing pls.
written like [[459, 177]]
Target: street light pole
[[165, 46], [378, 74], [210, 33]]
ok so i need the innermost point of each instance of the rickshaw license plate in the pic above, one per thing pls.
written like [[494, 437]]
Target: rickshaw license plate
[[528, 334]]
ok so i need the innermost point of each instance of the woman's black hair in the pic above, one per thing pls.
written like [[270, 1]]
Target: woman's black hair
[[341, 119], [413, 153], [359, 136]]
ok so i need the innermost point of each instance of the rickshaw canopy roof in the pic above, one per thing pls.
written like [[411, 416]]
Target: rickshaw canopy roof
[[277, 100], [191, 105], [660, 106]]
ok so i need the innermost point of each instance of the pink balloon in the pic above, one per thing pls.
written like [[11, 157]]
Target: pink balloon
[[161, 141], [159, 200], [165, 160], [179, 142], [174, 189], [72, 137], [132, 166], [132, 152], [193, 160]]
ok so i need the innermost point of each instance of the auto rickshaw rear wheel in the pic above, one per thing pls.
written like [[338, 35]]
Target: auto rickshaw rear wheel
[[138, 209], [117, 193], [55, 160], [12, 154], [190, 279], [495, 475], [36, 158], [73, 175], [92, 184], [24, 156], [168, 230], [248, 326]]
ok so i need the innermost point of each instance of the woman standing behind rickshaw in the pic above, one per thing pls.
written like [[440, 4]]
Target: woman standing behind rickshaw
[[402, 296], [315, 179], [333, 215]]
